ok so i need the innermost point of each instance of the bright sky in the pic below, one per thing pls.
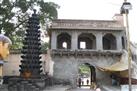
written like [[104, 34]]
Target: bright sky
[[97, 10]]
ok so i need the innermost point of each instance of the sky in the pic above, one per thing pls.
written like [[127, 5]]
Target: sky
[[97, 10]]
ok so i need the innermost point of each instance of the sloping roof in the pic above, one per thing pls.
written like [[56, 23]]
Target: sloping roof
[[118, 66], [86, 24]]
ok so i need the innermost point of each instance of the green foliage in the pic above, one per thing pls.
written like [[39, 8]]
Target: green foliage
[[14, 15], [44, 47], [84, 69]]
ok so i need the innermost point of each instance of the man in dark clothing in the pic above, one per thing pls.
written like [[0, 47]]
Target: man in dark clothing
[[79, 82]]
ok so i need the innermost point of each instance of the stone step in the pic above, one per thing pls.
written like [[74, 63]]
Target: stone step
[[25, 85]]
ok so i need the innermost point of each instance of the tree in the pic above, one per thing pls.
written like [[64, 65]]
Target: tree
[[84, 69], [14, 15]]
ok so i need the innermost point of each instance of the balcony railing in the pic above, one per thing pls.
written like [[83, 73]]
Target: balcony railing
[[85, 52]]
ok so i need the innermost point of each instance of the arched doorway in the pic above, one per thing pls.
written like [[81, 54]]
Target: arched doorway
[[87, 75]]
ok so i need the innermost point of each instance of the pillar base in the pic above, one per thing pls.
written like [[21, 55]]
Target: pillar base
[[22, 84]]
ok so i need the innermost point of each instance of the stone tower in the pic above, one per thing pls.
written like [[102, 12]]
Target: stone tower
[[30, 78], [30, 62]]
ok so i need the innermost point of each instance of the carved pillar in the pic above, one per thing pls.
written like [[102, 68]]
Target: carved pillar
[[54, 40], [99, 41], [119, 42], [74, 40]]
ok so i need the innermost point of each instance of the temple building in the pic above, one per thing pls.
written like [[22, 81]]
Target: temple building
[[99, 44]]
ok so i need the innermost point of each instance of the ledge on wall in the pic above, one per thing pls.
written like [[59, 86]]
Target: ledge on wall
[[76, 53], [18, 51]]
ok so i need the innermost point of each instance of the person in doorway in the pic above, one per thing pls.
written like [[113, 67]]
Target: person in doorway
[[79, 82], [87, 81]]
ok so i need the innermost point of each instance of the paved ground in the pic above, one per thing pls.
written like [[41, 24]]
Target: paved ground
[[66, 88], [57, 88], [82, 89], [3, 88]]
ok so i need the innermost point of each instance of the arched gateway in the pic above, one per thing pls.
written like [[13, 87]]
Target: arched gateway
[[87, 74], [86, 42]]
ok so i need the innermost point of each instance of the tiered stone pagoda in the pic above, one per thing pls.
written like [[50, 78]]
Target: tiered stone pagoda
[[30, 78], [30, 63]]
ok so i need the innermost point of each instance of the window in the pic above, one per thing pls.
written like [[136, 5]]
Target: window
[[82, 45], [64, 45], [64, 41], [86, 41], [109, 42]]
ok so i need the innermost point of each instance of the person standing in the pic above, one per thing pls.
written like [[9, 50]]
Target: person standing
[[87, 81], [79, 82]]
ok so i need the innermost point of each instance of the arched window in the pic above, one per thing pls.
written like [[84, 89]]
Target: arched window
[[109, 42], [64, 41], [86, 41]]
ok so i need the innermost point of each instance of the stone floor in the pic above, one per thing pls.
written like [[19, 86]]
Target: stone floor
[[67, 88], [110, 88], [3, 88], [84, 88], [81, 89], [57, 88], [52, 88]]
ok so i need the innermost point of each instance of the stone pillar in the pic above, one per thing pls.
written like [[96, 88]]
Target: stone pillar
[[53, 40], [119, 42], [99, 41], [74, 41]]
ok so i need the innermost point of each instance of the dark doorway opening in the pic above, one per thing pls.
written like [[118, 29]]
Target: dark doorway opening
[[87, 76]]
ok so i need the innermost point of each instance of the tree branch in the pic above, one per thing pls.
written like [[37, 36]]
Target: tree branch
[[20, 23]]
